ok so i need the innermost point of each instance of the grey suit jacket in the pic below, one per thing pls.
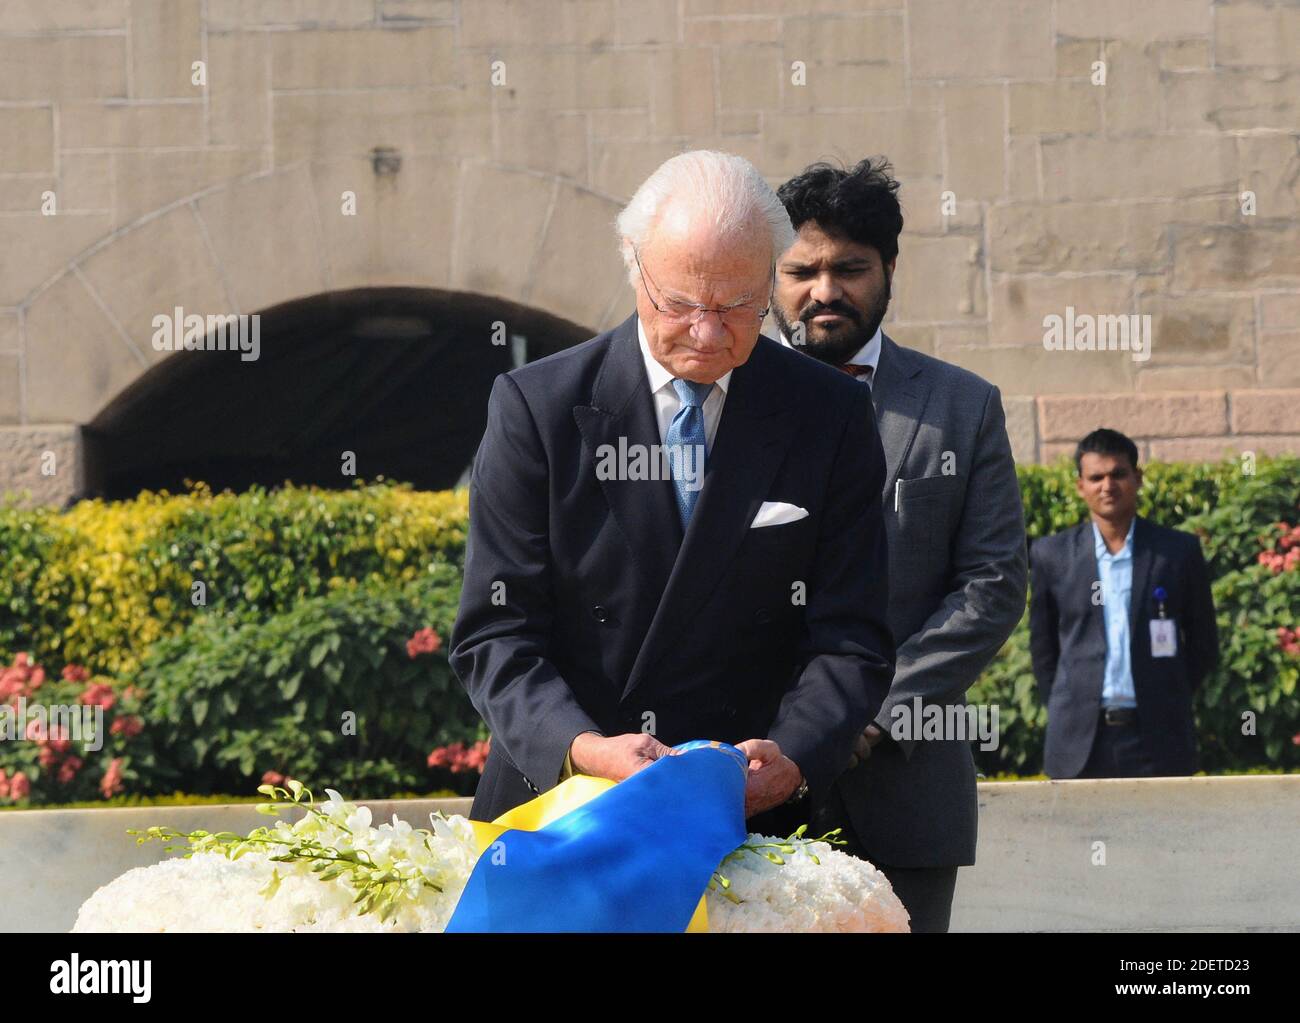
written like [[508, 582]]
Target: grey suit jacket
[[958, 575]]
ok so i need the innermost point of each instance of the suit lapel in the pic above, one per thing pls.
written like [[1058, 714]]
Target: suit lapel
[[1088, 583], [622, 411], [899, 395], [753, 437], [1143, 558]]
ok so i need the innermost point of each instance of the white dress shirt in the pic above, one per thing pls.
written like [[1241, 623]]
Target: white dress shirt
[[867, 355], [667, 404]]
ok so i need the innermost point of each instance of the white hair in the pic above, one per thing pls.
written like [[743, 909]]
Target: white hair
[[720, 188]]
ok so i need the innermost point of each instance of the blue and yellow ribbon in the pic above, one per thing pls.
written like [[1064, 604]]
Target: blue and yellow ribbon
[[594, 856]]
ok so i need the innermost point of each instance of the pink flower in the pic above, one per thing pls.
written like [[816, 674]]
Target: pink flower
[[477, 756], [4, 783], [129, 725], [273, 778], [68, 770], [20, 787], [99, 695], [111, 784], [21, 678], [425, 641], [75, 673], [446, 755]]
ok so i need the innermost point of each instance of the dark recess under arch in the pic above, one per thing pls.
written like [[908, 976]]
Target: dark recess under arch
[[400, 376]]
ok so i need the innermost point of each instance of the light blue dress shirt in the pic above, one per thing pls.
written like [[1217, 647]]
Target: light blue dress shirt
[[1116, 574]]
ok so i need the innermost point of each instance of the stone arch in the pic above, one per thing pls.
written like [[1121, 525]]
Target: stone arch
[[534, 240]]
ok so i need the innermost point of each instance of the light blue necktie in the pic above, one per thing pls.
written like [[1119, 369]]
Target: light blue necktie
[[685, 444]]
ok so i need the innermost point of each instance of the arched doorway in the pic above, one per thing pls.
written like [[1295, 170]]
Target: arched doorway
[[399, 377]]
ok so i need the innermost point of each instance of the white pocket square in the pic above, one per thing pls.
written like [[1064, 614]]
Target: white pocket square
[[777, 513]]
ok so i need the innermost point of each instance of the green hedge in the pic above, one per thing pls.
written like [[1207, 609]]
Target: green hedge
[[311, 597], [99, 584], [325, 691]]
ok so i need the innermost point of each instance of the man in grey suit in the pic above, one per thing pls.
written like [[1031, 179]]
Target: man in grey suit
[[955, 529]]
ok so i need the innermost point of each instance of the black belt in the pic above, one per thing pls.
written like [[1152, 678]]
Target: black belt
[[1119, 715]]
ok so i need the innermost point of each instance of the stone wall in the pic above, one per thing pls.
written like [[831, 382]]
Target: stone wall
[[515, 128]]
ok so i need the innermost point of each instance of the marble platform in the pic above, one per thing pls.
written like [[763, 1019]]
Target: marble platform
[[1118, 855]]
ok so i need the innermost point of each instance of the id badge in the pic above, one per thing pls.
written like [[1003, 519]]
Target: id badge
[[1164, 637]]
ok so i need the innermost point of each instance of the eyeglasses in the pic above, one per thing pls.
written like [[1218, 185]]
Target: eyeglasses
[[742, 314]]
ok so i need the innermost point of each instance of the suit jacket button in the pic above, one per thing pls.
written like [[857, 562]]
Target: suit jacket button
[[762, 616], [600, 614]]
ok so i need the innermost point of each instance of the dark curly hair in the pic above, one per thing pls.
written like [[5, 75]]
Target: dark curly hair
[[859, 204]]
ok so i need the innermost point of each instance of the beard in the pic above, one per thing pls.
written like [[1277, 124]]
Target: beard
[[837, 344]]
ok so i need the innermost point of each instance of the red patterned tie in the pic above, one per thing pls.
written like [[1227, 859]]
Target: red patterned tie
[[854, 370]]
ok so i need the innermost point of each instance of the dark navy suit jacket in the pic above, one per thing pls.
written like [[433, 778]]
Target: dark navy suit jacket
[[1068, 644], [585, 608]]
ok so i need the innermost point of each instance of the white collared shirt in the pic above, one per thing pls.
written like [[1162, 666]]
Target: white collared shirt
[[667, 404], [867, 355]]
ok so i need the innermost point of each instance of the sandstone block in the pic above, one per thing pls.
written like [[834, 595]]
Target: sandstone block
[[152, 269], [26, 140], [995, 39], [976, 122], [56, 68], [25, 452], [1061, 106], [1270, 411], [165, 43], [264, 268], [1157, 167], [76, 359], [1183, 414]]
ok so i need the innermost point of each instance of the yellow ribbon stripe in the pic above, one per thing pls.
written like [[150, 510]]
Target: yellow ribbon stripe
[[534, 815]]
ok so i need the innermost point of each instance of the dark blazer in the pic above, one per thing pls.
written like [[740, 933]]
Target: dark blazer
[[601, 622], [1068, 643], [957, 562]]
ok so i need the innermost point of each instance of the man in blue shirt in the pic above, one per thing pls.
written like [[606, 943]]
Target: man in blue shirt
[[1122, 628]]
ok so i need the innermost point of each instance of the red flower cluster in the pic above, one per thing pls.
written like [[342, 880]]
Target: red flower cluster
[[1288, 640], [128, 725], [15, 788], [22, 678], [55, 754], [111, 784], [1287, 557], [98, 694], [457, 758], [273, 778], [54, 748], [425, 641]]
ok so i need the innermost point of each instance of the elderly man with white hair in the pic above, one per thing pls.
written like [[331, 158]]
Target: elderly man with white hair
[[675, 527]]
